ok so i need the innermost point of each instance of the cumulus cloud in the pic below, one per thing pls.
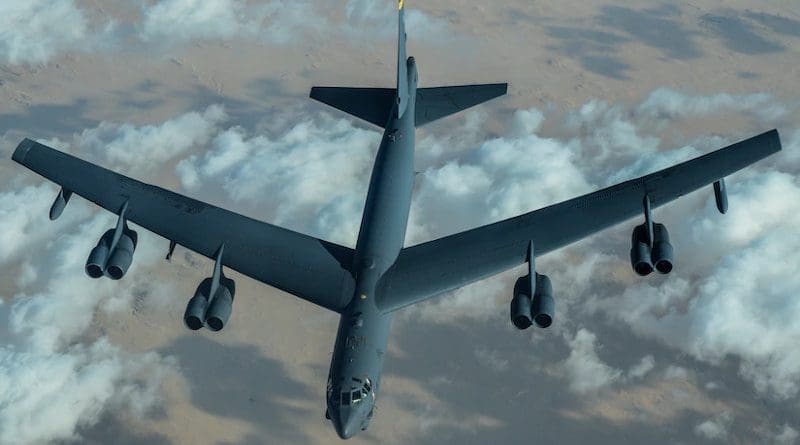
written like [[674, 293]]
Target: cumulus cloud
[[786, 436], [371, 18], [47, 396], [666, 104], [716, 428], [34, 31], [641, 369], [278, 21], [125, 146], [742, 302], [584, 369], [57, 373], [312, 175]]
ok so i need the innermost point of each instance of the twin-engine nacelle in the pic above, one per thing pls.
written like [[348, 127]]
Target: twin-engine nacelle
[[207, 310], [643, 257], [112, 259], [539, 309]]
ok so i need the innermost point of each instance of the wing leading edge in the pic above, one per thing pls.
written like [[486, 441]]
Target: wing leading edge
[[312, 269], [437, 266]]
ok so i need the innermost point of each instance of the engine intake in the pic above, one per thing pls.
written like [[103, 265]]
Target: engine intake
[[221, 306], [98, 257], [662, 249], [640, 251], [521, 304], [122, 257], [196, 308], [544, 305]]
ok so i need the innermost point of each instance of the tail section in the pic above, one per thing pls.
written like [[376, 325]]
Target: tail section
[[402, 72], [438, 102], [375, 105]]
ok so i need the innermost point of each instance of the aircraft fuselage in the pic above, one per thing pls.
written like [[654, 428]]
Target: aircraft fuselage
[[363, 333]]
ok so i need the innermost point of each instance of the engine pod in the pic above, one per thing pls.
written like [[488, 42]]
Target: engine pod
[[196, 308], [122, 257], [98, 257], [543, 306], [221, 306], [521, 304], [640, 251]]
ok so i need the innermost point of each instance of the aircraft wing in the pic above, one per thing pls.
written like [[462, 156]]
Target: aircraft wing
[[312, 269], [428, 269]]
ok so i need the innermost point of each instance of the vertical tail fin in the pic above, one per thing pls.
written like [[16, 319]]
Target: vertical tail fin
[[402, 74]]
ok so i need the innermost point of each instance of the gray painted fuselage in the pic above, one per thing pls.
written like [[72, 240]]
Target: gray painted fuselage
[[363, 329]]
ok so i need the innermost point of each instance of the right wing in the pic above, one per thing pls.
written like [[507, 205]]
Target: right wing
[[312, 269], [428, 269]]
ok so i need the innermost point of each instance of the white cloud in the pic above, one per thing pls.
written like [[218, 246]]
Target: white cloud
[[491, 359], [674, 372], [786, 436], [716, 428], [641, 369], [584, 369], [34, 31], [668, 104], [277, 21], [47, 396], [125, 147], [371, 18], [57, 373], [313, 176], [742, 301]]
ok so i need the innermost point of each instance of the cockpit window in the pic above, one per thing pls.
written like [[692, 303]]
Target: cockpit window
[[356, 396], [346, 398]]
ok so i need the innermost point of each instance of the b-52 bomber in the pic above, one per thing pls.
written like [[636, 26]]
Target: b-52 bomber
[[366, 285]]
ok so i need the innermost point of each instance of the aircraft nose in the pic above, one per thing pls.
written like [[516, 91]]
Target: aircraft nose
[[347, 424]]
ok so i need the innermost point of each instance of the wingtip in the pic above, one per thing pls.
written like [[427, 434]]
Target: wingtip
[[22, 150], [774, 140]]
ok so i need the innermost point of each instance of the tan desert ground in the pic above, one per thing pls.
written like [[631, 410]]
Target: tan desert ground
[[210, 99]]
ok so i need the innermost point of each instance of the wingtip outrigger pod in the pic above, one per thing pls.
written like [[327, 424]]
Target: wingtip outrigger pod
[[60, 203], [721, 196]]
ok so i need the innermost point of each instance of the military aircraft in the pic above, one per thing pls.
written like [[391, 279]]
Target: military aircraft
[[366, 285]]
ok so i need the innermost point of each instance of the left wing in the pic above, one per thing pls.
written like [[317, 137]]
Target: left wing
[[428, 269], [312, 269]]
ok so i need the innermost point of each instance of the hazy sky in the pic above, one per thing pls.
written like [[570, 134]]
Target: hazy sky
[[209, 98]]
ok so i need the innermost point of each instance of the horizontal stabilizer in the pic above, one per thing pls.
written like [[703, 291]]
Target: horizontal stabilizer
[[371, 104], [436, 103]]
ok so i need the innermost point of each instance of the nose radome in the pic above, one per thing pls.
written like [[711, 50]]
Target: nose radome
[[347, 424]]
